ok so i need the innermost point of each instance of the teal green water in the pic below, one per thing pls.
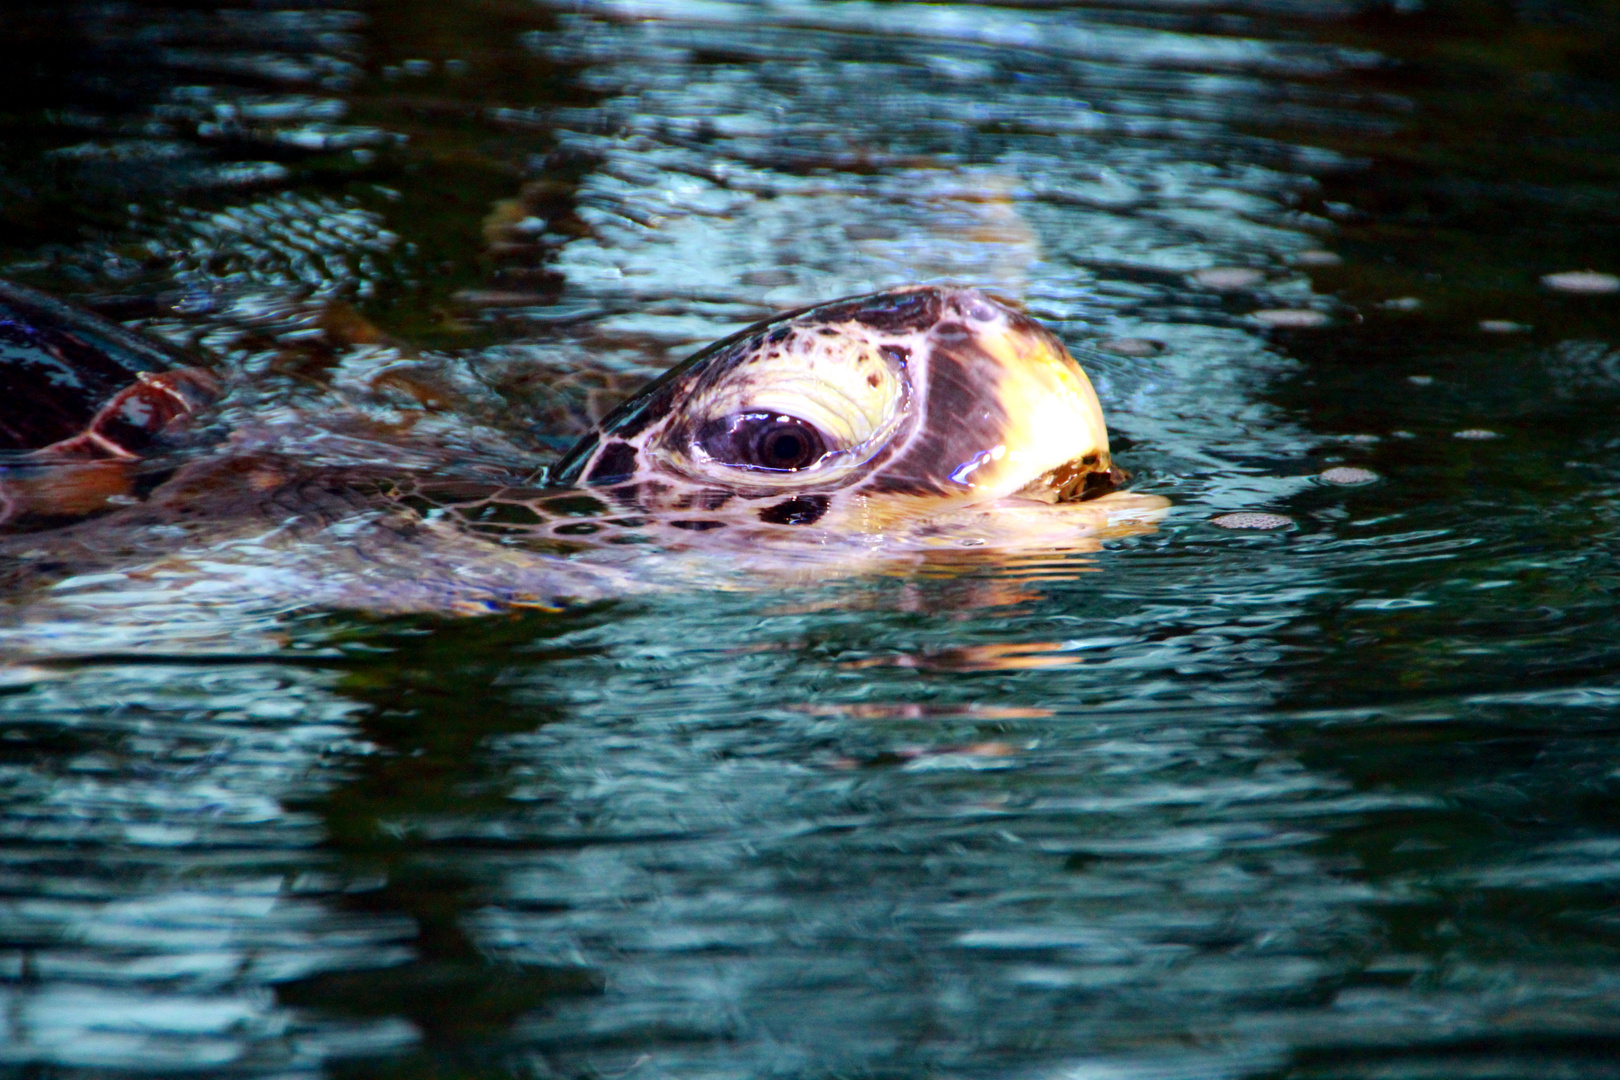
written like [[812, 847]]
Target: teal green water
[[1337, 800]]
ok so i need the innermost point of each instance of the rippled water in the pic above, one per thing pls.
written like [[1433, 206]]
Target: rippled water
[[1335, 800]]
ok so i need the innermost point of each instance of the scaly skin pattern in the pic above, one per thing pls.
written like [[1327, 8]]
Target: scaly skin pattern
[[908, 428]]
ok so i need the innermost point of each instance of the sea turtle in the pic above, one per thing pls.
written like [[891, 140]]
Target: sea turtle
[[873, 429]]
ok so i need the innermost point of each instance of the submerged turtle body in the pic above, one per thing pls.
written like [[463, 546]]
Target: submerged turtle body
[[866, 428]]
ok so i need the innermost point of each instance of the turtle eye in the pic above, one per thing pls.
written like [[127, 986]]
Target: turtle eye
[[762, 441]]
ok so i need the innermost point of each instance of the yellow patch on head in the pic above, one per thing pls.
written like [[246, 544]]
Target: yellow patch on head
[[1053, 416]]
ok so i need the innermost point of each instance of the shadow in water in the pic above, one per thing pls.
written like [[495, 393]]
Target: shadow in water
[[431, 710]]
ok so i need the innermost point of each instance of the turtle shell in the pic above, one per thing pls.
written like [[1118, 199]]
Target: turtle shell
[[74, 385], [82, 400]]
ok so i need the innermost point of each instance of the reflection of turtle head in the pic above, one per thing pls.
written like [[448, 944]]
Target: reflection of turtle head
[[897, 404]]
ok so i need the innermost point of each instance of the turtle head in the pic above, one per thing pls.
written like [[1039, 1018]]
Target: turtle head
[[912, 399]]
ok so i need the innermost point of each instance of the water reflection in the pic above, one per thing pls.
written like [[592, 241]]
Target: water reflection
[[407, 817], [1331, 801], [156, 880], [816, 867]]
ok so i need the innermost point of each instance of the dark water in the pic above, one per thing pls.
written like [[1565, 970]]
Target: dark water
[[1341, 800]]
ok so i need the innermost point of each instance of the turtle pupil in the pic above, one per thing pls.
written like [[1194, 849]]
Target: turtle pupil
[[784, 449]]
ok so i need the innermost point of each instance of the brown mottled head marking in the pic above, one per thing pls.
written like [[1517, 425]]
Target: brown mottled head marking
[[899, 312], [799, 510], [615, 464]]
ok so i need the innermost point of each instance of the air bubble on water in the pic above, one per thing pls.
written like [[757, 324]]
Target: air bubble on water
[[1290, 318], [1228, 277], [1589, 282], [1248, 519], [1347, 475]]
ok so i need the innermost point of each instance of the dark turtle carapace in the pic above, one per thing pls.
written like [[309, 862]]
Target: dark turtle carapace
[[81, 399], [863, 429]]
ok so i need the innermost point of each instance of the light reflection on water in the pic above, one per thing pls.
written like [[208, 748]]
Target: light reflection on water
[[1333, 801]]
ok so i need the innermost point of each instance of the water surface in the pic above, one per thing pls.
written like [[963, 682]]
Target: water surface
[[1336, 800]]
